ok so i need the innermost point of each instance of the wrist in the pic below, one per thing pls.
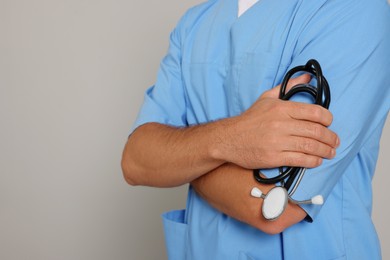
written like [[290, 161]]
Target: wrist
[[221, 143]]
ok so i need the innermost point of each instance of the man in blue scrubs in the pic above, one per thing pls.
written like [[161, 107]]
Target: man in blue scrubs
[[213, 115]]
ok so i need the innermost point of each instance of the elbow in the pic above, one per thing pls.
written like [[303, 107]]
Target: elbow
[[273, 229], [270, 227], [129, 173], [280, 225], [128, 176], [130, 168], [293, 215], [129, 180]]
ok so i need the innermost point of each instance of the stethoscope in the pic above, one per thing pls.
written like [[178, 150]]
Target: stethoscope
[[275, 201]]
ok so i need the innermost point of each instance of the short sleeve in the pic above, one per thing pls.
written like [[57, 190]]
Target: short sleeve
[[165, 101], [351, 40]]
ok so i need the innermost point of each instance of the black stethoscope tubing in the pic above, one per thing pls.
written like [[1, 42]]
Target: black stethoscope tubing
[[321, 96]]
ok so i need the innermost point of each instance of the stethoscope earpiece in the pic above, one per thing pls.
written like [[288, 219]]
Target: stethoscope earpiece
[[257, 193], [317, 200]]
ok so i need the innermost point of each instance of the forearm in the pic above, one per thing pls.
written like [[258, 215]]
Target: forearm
[[164, 156], [228, 187]]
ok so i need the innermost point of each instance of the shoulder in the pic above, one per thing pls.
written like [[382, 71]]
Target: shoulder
[[196, 14], [356, 15], [355, 24], [197, 10]]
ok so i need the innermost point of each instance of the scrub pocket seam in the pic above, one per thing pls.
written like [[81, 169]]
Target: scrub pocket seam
[[176, 232]]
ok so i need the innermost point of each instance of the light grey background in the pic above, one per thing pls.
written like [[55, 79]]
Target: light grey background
[[72, 77]]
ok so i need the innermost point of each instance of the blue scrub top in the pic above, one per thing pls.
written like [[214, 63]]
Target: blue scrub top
[[218, 65]]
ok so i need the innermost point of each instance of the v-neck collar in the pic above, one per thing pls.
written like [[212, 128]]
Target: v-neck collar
[[246, 31], [251, 7], [245, 5]]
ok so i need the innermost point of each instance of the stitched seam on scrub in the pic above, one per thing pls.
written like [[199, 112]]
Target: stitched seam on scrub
[[342, 216]]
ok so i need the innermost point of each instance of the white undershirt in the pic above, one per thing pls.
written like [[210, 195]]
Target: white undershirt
[[244, 5]]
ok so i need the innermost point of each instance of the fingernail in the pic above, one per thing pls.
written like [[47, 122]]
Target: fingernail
[[337, 142]]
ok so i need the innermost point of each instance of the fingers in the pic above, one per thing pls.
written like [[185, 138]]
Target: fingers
[[294, 159], [274, 92], [314, 131], [309, 146], [302, 111], [310, 112], [303, 79], [274, 132]]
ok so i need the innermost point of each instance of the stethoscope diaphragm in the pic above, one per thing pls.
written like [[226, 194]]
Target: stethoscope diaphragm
[[274, 203]]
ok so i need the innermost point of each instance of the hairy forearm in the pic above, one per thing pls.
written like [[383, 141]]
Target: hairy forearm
[[270, 133], [164, 156], [228, 187]]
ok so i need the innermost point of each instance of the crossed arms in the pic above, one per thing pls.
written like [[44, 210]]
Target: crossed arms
[[222, 153]]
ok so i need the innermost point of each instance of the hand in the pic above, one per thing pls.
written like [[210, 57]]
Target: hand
[[273, 133]]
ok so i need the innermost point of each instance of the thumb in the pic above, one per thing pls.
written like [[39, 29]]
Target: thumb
[[274, 92]]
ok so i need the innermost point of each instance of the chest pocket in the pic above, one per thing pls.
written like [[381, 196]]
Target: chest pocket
[[257, 73]]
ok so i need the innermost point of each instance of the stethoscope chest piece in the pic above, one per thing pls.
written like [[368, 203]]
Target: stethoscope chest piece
[[274, 203]]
